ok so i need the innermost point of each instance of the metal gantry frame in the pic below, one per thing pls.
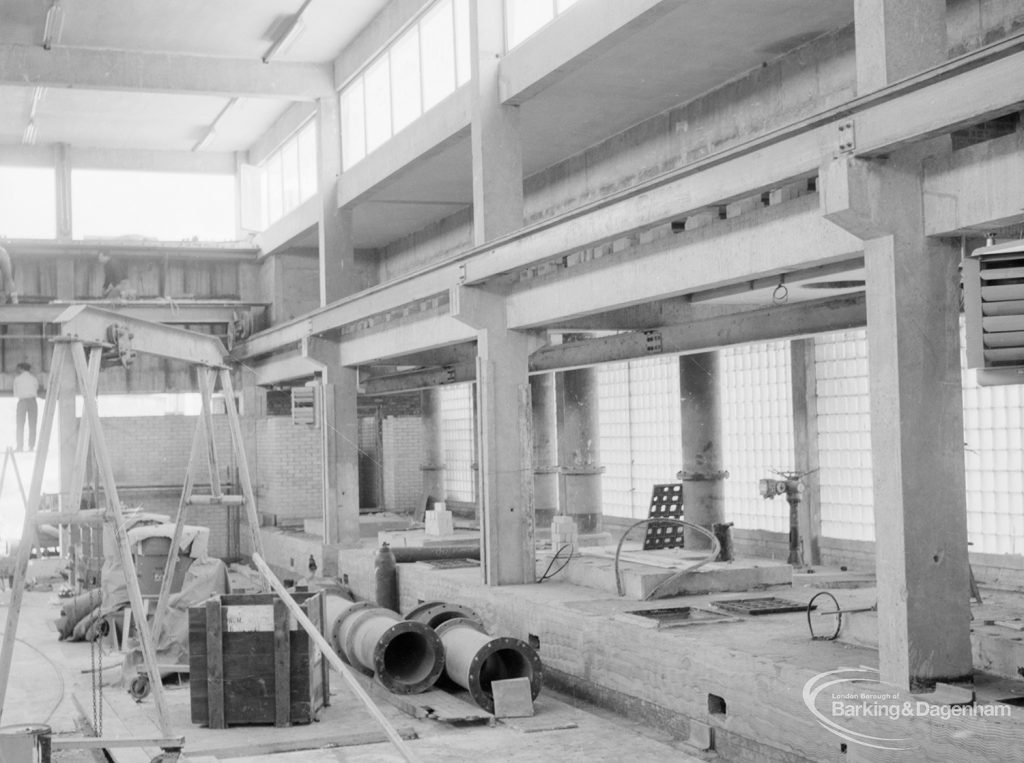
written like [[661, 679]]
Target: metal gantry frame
[[108, 334]]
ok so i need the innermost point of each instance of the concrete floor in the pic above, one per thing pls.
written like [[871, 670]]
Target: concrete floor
[[49, 675]]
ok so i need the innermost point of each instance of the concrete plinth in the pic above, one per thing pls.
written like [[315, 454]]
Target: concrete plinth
[[596, 569], [400, 538]]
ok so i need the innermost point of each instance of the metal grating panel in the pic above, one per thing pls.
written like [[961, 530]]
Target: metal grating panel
[[666, 502], [763, 605]]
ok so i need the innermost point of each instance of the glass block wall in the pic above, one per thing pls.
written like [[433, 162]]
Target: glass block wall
[[757, 431], [844, 435], [639, 421], [457, 432]]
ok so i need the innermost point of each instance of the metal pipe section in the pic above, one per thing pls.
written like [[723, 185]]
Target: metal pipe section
[[474, 660], [406, 657], [433, 613], [427, 553]]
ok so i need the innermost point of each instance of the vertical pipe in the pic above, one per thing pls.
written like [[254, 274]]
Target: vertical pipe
[[701, 409]]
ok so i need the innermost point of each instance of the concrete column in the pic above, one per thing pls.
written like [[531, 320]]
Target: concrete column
[[496, 144], [506, 457], [545, 447], [340, 427], [805, 444], [62, 176], [577, 447], [67, 426], [896, 39], [433, 446], [338, 276], [916, 418], [702, 473], [505, 444]]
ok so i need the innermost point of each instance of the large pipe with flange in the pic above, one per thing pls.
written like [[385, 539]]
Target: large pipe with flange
[[475, 660], [407, 657], [433, 613]]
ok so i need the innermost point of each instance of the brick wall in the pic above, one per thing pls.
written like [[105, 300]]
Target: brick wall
[[288, 472], [403, 454], [150, 456], [154, 450]]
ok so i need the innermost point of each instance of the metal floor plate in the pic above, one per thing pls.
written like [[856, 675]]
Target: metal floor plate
[[762, 605]]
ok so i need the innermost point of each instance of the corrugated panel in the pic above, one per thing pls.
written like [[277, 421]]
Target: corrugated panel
[[757, 431], [844, 436], [457, 433]]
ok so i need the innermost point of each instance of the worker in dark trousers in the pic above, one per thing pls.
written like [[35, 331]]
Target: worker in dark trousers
[[26, 387], [116, 284]]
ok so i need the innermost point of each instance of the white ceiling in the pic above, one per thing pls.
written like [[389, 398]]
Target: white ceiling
[[239, 29], [691, 49]]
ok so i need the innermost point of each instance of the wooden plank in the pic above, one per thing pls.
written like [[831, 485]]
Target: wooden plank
[[215, 665], [350, 737], [282, 665]]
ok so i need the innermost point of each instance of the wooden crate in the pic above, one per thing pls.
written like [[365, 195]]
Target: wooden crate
[[250, 662]]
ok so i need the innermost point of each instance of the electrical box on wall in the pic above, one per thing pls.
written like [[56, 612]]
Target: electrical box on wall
[[993, 283], [305, 408]]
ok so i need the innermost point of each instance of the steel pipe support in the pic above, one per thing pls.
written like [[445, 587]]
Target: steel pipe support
[[433, 613], [474, 660], [406, 657]]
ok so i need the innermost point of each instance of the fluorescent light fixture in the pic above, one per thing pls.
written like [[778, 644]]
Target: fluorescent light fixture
[[53, 26], [37, 96], [206, 139], [30, 134], [293, 31], [285, 41]]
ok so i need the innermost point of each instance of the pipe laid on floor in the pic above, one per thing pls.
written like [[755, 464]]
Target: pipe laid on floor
[[433, 613], [474, 660], [404, 554], [406, 657]]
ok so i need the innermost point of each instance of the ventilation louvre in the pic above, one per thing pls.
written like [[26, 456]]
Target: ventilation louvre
[[993, 282]]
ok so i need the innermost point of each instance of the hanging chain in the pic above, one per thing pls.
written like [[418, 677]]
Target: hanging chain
[[96, 659]]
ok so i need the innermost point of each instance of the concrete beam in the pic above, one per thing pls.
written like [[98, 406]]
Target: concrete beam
[[935, 101], [405, 336], [977, 188], [283, 368], [293, 229], [941, 99], [96, 69], [775, 240], [90, 325], [572, 40], [442, 126]]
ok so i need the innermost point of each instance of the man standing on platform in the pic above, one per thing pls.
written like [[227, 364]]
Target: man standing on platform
[[26, 387]]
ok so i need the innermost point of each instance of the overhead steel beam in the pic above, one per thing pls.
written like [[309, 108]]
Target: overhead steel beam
[[162, 312], [777, 322], [775, 240], [91, 325], [122, 70]]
